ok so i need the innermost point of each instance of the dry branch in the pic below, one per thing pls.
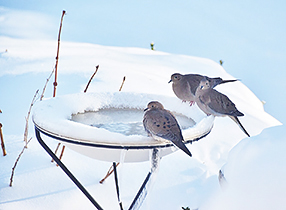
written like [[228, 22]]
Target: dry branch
[[57, 58], [62, 153], [16, 162], [27, 118], [122, 83], [56, 150], [58, 51], [91, 79], [45, 86], [109, 172], [2, 140]]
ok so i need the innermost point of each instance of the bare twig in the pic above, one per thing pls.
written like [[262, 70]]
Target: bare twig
[[27, 118], [56, 150], [122, 83], [109, 172], [57, 58], [62, 153], [25, 137], [91, 79], [16, 162], [45, 86], [2, 140]]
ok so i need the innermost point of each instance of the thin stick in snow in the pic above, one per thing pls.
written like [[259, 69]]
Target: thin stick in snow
[[16, 162], [57, 58], [62, 153], [45, 86], [27, 118], [91, 79], [109, 172], [122, 83], [56, 150], [2, 140]]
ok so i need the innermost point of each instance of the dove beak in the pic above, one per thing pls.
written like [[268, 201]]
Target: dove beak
[[170, 81], [145, 109]]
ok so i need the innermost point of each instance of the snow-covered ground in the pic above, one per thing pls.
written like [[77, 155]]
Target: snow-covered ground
[[181, 181], [254, 168]]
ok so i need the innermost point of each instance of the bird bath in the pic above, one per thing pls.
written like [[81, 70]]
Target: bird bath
[[108, 126], [102, 125]]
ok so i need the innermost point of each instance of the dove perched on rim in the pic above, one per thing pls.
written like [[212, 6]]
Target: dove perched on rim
[[184, 86], [162, 124], [212, 102]]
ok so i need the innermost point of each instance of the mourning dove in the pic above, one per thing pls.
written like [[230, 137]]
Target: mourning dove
[[212, 102], [161, 124], [184, 86]]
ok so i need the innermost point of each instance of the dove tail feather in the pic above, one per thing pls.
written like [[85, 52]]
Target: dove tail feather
[[217, 81], [226, 81], [235, 119], [183, 147]]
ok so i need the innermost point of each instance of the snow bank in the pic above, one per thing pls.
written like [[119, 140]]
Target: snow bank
[[255, 174]]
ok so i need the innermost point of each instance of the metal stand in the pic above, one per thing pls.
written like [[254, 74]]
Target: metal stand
[[142, 193], [139, 198]]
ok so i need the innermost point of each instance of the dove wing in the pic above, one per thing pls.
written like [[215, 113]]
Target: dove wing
[[163, 124], [220, 103]]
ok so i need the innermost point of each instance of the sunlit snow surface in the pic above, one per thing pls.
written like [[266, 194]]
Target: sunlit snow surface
[[181, 181]]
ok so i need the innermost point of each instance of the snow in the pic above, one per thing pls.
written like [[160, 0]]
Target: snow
[[254, 174], [55, 116], [253, 168]]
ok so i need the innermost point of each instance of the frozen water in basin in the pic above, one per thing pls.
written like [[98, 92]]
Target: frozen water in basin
[[125, 120]]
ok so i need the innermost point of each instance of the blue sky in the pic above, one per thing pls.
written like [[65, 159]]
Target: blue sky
[[249, 36]]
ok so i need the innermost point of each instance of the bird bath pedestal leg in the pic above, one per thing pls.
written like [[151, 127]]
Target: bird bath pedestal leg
[[142, 193], [140, 196], [65, 169]]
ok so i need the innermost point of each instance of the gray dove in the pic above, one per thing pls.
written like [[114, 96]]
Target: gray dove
[[184, 86], [212, 102], [161, 124]]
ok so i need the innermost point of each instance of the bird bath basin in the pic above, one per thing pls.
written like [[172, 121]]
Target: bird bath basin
[[106, 125], [123, 120]]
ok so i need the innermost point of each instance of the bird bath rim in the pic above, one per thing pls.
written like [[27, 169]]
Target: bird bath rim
[[52, 117]]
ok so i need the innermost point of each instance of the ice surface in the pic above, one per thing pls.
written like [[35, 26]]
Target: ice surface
[[124, 121]]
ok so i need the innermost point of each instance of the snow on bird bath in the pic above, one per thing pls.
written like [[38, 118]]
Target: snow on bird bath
[[103, 125], [114, 118]]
